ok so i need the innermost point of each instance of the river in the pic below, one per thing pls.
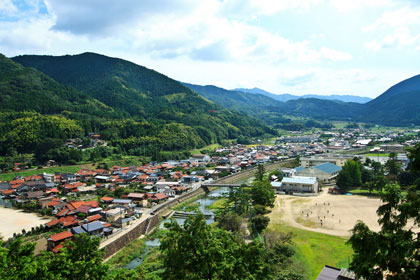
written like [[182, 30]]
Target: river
[[204, 203]]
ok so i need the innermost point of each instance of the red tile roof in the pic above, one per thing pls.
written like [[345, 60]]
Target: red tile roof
[[6, 192], [94, 218], [66, 221], [160, 196], [61, 236], [57, 248], [107, 199]]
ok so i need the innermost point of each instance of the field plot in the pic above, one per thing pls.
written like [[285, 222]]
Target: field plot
[[12, 221], [330, 214]]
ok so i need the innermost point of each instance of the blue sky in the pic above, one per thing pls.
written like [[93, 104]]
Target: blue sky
[[300, 47]]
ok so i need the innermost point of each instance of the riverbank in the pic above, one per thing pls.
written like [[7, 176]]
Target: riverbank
[[14, 221]]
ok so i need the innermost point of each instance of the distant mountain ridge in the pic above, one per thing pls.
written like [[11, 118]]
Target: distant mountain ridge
[[397, 106], [286, 97]]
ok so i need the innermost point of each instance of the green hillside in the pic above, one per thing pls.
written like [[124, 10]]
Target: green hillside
[[138, 111], [23, 88], [258, 105]]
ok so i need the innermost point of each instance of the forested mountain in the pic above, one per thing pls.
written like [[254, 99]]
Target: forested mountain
[[286, 97], [399, 105], [258, 105], [137, 110], [23, 88], [273, 111], [145, 94]]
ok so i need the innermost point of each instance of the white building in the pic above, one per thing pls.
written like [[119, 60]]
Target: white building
[[299, 184]]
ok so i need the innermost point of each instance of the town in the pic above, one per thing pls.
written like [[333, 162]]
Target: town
[[105, 201]]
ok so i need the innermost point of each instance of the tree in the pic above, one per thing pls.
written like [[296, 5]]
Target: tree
[[240, 197], [230, 222], [394, 251], [263, 194], [393, 166], [259, 175], [260, 222], [199, 251], [349, 176]]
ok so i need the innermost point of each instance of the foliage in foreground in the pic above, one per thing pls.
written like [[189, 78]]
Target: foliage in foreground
[[394, 251], [199, 251], [79, 259]]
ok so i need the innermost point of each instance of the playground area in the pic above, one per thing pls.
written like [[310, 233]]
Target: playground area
[[12, 221], [326, 213]]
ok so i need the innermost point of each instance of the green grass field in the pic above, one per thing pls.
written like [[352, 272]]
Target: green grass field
[[209, 147], [377, 155], [314, 250], [9, 176]]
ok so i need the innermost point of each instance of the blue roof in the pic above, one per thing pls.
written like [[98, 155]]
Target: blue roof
[[300, 168], [328, 167]]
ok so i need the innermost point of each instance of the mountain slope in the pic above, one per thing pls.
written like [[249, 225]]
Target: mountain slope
[[272, 111], [23, 88], [145, 94], [287, 97], [399, 105]]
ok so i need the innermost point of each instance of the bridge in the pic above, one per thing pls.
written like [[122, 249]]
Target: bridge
[[206, 187]]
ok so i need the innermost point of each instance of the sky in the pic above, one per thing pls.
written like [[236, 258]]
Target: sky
[[357, 47]]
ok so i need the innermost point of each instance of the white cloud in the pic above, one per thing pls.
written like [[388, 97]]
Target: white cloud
[[350, 5], [401, 37], [398, 18], [7, 7], [335, 55], [250, 9]]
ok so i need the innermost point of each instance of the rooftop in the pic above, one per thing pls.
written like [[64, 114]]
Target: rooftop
[[328, 167], [299, 180], [61, 236]]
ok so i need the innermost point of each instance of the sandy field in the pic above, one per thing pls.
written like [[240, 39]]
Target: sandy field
[[12, 221], [326, 213]]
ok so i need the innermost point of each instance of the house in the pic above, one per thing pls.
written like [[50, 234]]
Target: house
[[94, 228], [138, 198], [67, 221], [107, 199], [299, 184], [122, 202], [34, 195], [159, 197], [324, 172], [49, 178], [68, 178], [113, 214], [166, 190], [57, 239], [333, 273], [200, 158]]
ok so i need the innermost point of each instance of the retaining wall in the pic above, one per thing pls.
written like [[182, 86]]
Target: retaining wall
[[131, 235]]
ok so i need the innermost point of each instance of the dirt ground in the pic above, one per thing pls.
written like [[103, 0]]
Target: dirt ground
[[326, 213], [12, 221]]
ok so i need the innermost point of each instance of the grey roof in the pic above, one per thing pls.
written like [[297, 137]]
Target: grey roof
[[78, 230], [333, 273], [122, 201], [328, 167], [328, 273], [5, 186], [93, 226]]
